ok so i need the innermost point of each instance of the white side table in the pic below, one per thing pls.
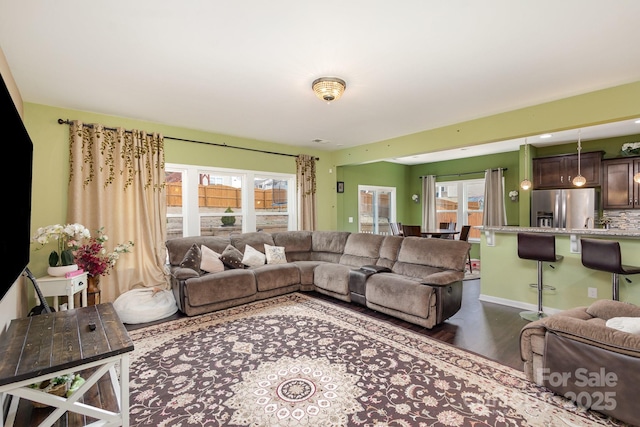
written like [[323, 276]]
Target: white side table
[[51, 286]]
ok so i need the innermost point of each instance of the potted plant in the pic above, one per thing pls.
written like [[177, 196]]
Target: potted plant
[[92, 257], [228, 221], [66, 238]]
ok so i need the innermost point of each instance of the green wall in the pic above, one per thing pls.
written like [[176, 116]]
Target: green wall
[[380, 174], [51, 156], [51, 163]]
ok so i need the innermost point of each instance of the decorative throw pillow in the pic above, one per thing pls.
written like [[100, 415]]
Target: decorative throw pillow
[[232, 257], [275, 254], [625, 324], [192, 258], [210, 260], [252, 257]]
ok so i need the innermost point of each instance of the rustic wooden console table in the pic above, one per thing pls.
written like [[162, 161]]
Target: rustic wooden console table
[[42, 347]]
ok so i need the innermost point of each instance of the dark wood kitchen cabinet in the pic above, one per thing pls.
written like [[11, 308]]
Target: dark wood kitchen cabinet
[[619, 191], [558, 171]]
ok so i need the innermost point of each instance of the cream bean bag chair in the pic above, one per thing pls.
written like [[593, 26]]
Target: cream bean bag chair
[[142, 305]]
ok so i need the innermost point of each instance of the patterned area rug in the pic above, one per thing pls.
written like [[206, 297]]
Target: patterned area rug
[[295, 360]]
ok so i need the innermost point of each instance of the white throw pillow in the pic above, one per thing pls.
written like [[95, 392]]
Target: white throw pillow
[[625, 324], [253, 257], [275, 254], [210, 260]]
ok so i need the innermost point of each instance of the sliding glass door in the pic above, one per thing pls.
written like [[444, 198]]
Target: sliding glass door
[[376, 209]]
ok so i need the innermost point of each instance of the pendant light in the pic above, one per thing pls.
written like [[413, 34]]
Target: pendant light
[[525, 184], [579, 180]]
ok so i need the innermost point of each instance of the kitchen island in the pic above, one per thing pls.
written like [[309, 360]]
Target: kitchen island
[[505, 278]]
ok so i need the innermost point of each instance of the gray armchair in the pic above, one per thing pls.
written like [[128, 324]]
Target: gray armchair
[[576, 355]]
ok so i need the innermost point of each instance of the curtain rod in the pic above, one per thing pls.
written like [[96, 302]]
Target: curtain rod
[[68, 122], [464, 173]]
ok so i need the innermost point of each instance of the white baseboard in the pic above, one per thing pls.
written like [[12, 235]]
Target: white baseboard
[[518, 304]]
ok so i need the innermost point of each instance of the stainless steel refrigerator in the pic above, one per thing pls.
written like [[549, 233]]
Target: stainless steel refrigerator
[[570, 208]]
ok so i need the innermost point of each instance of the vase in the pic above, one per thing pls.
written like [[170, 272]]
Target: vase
[[93, 290], [61, 270]]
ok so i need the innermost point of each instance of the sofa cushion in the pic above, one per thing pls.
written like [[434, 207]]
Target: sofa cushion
[[255, 239], [332, 277], [420, 257], [232, 257], [192, 258], [607, 309], [625, 324], [293, 241], [275, 276], [328, 245], [224, 286], [275, 254], [252, 257], [361, 249], [400, 293], [210, 260], [389, 251]]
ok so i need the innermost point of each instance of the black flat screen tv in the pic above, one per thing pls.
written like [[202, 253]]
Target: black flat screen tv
[[15, 238]]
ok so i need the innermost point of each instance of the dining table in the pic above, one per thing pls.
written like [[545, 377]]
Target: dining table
[[439, 232]]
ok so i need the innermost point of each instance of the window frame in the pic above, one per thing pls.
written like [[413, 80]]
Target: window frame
[[191, 215], [462, 213]]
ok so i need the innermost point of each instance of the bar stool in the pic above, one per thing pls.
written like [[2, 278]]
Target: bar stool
[[541, 248], [605, 255]]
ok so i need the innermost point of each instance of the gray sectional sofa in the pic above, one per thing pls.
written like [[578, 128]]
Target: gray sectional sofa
[[416, 279]]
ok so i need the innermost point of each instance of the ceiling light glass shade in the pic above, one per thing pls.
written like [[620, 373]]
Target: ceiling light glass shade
[[579, 180], [525, 184], [636, 177], [329, 88]]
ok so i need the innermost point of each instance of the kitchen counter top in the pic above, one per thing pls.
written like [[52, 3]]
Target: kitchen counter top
[[595, 232]]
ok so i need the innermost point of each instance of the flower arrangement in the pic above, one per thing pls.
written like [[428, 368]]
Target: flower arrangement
[[66, 238], [630, 149], [513, 195], [93, 257]]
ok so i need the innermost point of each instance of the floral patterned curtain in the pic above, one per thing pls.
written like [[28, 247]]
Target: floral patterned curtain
[[306, 177], [117, 184]]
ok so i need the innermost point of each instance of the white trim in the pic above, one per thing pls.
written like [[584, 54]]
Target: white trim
[[517, 304]]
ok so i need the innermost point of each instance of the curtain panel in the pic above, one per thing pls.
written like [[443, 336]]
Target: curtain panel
[[429, 211], [117, 182], [495, 212], [306, 178]]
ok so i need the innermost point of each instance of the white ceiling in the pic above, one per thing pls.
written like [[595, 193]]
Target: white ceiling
[[244, 68]]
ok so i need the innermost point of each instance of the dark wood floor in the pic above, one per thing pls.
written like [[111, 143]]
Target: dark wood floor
[[487, 329]]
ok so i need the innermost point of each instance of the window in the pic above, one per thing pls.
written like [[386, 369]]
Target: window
[[218, 202], [461, 202], [376, 209]]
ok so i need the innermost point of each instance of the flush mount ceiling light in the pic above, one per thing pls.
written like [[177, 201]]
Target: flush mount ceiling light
[[329, 88], [579, 180]]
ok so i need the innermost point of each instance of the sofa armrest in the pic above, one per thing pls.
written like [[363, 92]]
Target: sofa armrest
[[594, 334], [443, 278], [375, 269], [527, 335], [183, 273]]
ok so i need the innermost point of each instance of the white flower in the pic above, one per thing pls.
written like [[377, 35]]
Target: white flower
[[630, 145], [513, 193]]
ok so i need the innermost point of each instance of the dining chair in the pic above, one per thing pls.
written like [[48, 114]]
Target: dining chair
[[412, 230], [447, 226], [396, 228], [464, 236]]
